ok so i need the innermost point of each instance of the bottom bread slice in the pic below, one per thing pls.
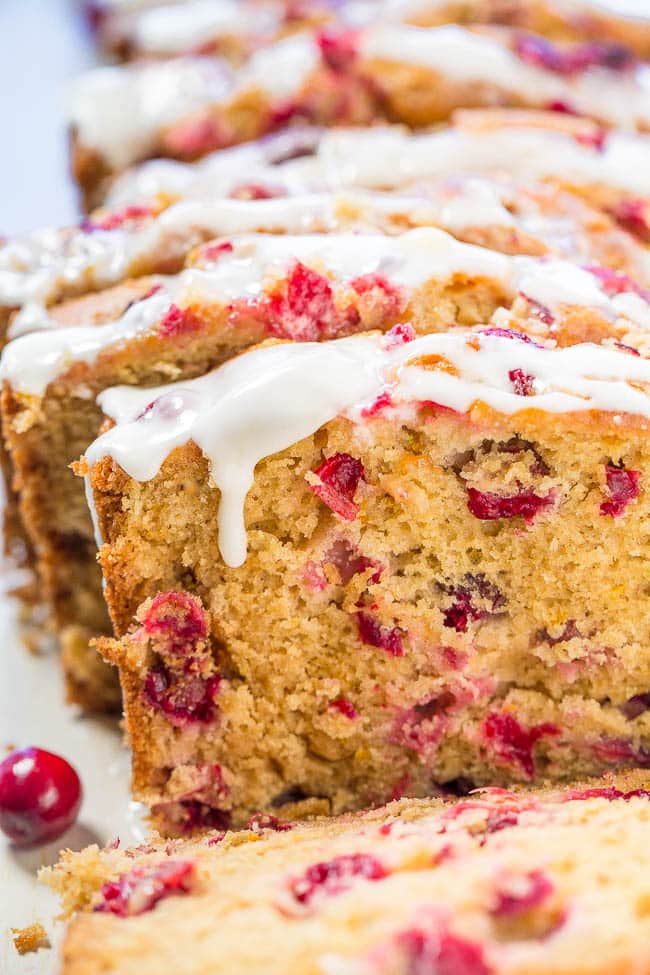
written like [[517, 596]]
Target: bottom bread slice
[[497, 883], [413, 593]]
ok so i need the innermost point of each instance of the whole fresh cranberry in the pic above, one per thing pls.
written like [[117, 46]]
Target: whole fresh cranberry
[[40, 795]]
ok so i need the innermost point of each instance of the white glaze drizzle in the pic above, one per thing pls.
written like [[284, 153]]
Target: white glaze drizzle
[[270, 398], [39, 267], [119, 111], [619, 98], [385, 157], [281, 69], [177, 28], [30, 362]]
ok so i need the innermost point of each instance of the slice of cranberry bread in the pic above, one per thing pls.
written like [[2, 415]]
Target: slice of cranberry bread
[[374, 568], [229, 28], [499, 883], [159, 211], [43, 269], [414, 75], [242, 291], [596, 20], [232, 27], [610, 169]]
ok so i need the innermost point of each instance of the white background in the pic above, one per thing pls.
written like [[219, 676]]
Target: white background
[[43, 43]]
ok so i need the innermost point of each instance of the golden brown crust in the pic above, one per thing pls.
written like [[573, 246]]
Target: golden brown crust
[[90, 171]]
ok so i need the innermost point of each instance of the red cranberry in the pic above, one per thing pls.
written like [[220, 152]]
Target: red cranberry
[[523, 383], [378, 290], [40, 796], [349, 563], [512, 742], [374, 634], [261, 821], [489, 506], [521, 894], [179, 321], [383, 402], [255, 191], [440, 952], [509, 333], [463, 609], [575, 59], [403, 787], [140, 890], [627, 348], [182, 698], [338, 49], [187, 815], [496, 821], [344, 707], [153, 290], [302, 308], [200, 815], [634, 216], [540, 52], [339, 476], [422, 726], [615, 283], [623, 487], [334, 876], [570, 631], [595, 138], [213, 251], [118, 218], [561, 106], [540, 311], [178, 617], [305, 310], [282, 112], [621, 752], [194, 137], [635, 706], [400, 334], [605, 792], [610, 793]]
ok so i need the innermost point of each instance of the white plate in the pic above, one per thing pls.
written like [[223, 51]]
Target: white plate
[[32, 712]]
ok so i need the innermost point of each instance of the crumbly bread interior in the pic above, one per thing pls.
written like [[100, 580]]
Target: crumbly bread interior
[[416, 644], [500, 883]]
